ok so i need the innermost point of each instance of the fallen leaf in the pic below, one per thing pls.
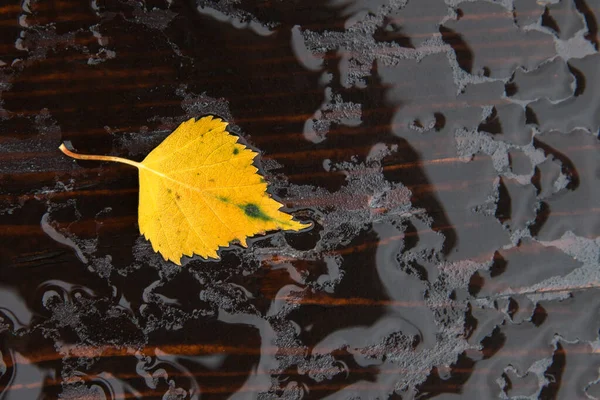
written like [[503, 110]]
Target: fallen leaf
[[199, 191]]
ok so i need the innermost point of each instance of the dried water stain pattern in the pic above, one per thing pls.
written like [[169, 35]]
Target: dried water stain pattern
[[431, 184]]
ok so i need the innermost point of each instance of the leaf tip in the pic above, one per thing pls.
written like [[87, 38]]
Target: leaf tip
[[301, 225]]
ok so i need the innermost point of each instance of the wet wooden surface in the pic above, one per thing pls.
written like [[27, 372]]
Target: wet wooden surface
[[452, 188]]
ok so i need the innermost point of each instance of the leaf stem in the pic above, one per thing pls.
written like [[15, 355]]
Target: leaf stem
[[68, 152]]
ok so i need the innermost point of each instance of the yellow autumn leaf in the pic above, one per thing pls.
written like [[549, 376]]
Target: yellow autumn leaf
[[199, 191]]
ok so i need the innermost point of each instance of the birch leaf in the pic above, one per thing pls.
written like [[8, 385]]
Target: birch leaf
[[199, 191]]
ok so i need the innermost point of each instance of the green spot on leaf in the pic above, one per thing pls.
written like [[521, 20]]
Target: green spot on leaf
[[235, 151], [253, 211]]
